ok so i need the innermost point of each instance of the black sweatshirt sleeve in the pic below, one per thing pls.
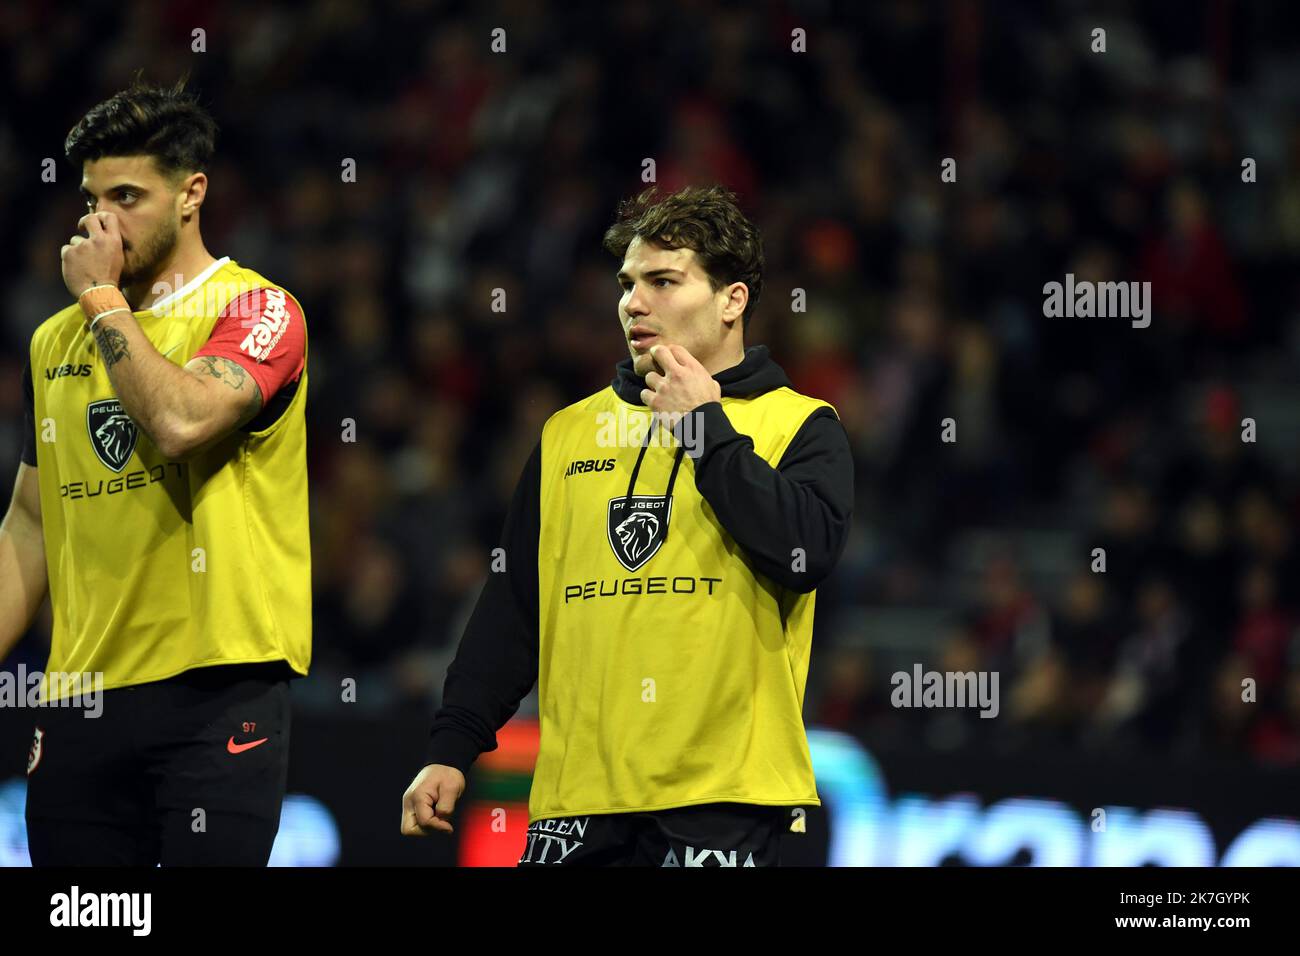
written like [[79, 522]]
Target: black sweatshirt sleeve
[[496, 663], [805, 502], [29, 417]]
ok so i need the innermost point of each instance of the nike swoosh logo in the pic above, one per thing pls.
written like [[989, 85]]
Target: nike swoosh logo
[[235, 748], [171, 350]]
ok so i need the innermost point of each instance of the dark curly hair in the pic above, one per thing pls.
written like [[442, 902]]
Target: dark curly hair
[[706, 219], [166, 123]]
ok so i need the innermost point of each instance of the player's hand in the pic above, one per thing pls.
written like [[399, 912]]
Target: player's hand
[[95, 258], [683, 386], [431, 798]]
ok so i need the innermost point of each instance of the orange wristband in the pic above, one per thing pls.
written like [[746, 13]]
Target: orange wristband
[[100, 298]]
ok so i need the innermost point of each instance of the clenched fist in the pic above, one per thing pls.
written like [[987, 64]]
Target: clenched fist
[[95, 258], [430, 800]]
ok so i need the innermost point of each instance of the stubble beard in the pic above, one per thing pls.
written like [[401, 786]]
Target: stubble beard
[[149, 256]]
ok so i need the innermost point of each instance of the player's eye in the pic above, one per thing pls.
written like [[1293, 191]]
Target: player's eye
[[126, 197], [627, 286]]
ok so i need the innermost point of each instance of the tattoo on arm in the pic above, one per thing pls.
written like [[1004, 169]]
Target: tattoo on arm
[[112, 345], [233, 374]]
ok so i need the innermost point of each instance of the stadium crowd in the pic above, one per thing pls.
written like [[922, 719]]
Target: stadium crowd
[[478, 171]]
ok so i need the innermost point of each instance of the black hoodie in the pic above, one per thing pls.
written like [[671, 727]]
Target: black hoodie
[[805, 502]]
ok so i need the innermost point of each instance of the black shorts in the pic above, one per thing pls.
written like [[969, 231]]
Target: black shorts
[[186, 771], [711, 834]]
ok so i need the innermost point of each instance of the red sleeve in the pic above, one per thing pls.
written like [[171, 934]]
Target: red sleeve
[[263, 332]]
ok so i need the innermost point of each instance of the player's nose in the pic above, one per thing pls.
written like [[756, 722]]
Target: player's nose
[[634, 305]]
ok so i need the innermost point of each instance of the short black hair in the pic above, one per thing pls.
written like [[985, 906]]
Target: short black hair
[[167, 123], [706, 219]]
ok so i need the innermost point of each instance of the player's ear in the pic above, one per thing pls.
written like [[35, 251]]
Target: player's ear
[[194, 189], [737, 299]]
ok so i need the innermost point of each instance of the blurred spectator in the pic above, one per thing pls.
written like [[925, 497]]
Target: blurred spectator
[[456, 296]]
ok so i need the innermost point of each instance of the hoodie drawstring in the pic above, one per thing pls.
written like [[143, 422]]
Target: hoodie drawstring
[[677, 463]]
